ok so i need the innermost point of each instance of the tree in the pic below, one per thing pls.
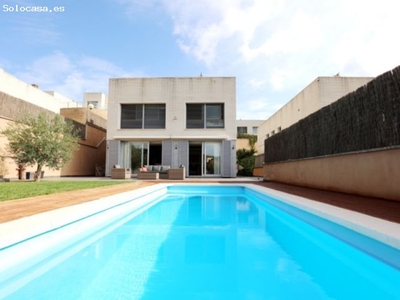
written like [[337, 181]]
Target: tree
[[41, 140], [245, 160], [3, 166]]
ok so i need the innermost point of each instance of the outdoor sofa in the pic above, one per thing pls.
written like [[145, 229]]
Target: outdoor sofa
[[154, 172], [120, 173]]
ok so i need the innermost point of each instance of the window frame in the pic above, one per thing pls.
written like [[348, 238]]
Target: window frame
[[205, 122], [239, 129], [140, 115]]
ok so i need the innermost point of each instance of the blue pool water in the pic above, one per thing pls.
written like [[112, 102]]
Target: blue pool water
[[210, 243]]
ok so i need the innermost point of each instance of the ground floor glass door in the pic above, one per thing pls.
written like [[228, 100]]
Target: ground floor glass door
[[195, 159], [135, 155], [211, 158]]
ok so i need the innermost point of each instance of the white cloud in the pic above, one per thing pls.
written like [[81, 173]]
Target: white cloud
[[367, 45], [204, 27], [278, 79], [258, 83], [333, 33], [47, 69], [72, 76]]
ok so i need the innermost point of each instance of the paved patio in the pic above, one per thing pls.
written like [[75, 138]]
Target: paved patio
[[15, 209]]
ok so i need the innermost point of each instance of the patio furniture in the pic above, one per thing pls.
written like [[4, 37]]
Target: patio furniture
[[120, 173], [155, 172], [176, 174], [148, 175]]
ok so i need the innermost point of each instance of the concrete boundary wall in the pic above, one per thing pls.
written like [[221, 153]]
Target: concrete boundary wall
[[12, 107], [371, 174], [366, 119], [11, 85], [351, 146]]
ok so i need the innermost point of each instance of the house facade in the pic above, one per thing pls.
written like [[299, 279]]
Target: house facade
[[185, 121]]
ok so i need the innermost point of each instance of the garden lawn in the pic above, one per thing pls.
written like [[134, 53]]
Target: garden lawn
[[18, 190]]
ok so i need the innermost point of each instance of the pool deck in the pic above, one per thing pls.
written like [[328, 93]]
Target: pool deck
[[16, 209]]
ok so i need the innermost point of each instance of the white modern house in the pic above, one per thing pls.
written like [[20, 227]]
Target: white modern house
[[184, 121]]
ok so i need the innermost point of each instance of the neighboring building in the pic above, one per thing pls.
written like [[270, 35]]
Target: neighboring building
[[90, 158], [248, 126], [18, 97], [188, 121], [30, 93], [319, 93], [64, 101], [97, 100]]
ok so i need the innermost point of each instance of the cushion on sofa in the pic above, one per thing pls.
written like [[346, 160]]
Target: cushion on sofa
[[165, 168], [156, 168]]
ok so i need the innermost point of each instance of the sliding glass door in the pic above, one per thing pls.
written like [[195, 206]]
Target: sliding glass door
[[135, 155], [211, 158]]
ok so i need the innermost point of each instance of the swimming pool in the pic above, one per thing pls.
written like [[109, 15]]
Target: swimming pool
[[201, 242]]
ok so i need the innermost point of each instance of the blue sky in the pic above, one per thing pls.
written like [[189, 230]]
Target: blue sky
[[274, 48]]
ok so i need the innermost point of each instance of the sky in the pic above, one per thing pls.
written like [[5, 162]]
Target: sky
[[274, 48]]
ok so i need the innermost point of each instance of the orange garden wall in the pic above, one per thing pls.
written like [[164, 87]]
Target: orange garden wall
[[372, 174], [91, 152]]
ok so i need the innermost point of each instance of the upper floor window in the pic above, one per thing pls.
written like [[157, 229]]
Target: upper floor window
[[205, 116], [255, 130], [142, 116], [241, 129]]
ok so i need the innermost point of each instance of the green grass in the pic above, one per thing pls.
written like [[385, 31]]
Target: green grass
[[18, 190]]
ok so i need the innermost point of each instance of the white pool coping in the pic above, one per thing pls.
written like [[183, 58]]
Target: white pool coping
[[21, 229], [382, 230]]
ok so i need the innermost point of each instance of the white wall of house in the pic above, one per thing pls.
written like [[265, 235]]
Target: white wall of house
[[175, 92], [319, 93], [176, 138]]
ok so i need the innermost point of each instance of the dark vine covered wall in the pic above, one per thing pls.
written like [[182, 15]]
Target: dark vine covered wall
[[366, 119]]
